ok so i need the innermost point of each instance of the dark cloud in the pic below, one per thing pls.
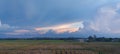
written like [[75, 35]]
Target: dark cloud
[[43, 13]]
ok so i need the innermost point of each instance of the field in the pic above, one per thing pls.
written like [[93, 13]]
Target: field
[[57, 47]]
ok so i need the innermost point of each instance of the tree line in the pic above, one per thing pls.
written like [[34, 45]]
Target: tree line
[[94, 38]]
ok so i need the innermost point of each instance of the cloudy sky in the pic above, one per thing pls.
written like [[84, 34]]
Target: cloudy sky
[[59, 18]]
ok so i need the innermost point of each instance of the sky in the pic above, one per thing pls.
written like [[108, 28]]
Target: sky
[[59, 18]]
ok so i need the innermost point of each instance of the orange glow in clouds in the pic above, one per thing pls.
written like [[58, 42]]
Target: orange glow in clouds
[[71, 27]]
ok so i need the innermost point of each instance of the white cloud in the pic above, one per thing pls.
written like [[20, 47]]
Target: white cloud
[[107, 19], [3, 26], [6, 26]]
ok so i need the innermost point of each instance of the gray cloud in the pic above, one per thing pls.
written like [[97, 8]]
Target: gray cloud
[[46, 12]]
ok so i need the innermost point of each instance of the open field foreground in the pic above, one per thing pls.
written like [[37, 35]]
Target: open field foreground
[[57, 47]]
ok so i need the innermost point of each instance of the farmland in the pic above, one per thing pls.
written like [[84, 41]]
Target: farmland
[[57, 47]]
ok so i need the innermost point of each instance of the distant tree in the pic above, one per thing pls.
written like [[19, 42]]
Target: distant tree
[[95, 37], [90, 39], [101, 39], [110, 39]]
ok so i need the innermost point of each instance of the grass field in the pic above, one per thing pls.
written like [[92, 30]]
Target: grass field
[[57, 47]]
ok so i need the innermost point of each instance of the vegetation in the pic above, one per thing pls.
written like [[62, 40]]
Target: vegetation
[[57, 47], [102, 39]]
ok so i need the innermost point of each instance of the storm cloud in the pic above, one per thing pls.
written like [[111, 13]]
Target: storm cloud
[[47, 12]]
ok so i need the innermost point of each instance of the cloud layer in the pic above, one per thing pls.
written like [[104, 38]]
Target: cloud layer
[[59, 17], [71, 27]]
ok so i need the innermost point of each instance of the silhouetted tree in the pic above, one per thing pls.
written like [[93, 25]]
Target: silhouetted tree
[[90, 39]]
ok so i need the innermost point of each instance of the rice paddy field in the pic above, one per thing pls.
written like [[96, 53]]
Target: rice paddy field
[[57, 47]]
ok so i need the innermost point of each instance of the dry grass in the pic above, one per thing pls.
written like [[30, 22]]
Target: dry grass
[[57, 47]]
